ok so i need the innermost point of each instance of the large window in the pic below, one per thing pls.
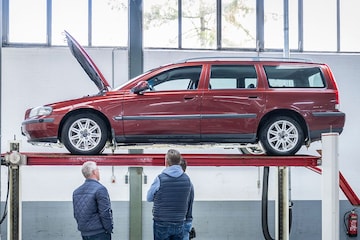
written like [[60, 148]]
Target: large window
[[71, 16], [27, 21], [349, 28], [199, 23], [109, 23], [238, 24], [274, 24], [320, 32], [92, 22], [161, 23], [322, 25]]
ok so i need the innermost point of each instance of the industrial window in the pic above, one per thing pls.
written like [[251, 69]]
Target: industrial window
[[349, 26], [214, 24], [71, 16], [27, 21], [105, 23], [274, 24], [199, 24], [161, 23], [320, 30], [238, 24], [92, 22]]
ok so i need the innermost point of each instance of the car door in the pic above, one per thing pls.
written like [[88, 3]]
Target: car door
[[232, 104], [168, 112]]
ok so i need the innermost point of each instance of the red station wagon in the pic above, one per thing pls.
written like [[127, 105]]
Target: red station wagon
[[278, 104]]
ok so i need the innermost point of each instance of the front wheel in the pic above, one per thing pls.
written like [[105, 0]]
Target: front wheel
[[281, 136], [84, 134]]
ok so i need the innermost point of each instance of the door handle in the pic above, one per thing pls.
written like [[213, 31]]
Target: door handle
[[189, 97]]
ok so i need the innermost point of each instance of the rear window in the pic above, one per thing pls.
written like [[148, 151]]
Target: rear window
[[294, 77]]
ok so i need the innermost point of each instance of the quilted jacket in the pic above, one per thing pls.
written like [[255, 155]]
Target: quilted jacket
[[92, 208]]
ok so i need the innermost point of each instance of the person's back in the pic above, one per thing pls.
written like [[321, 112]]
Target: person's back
[[170, 193], [85, 208], [170, 202], [92, 207]]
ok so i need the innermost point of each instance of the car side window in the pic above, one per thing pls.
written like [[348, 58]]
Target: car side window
[[232, 77], [183, 78], [294, 77]]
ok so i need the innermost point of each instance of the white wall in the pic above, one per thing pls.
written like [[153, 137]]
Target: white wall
[[34, 76]]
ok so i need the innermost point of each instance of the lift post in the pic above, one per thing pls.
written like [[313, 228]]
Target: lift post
[[330, 192], [135, 179], [14, 160], [282, 206], [14, 210]]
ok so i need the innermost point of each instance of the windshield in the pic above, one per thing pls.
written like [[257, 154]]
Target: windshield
[[132, 80]]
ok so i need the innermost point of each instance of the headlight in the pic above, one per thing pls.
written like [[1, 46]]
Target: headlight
[[40, 111]]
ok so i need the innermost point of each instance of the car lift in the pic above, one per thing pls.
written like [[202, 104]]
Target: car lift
[[14, 159]]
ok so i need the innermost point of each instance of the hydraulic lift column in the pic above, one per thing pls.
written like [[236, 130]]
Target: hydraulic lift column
[[330, 183], [282, 213], [14, 160], [135, 180]]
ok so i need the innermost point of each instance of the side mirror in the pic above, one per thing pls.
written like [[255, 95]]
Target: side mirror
[[140, 87]]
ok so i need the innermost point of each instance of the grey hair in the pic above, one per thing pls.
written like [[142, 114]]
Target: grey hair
[[88, 167], [173, 157]]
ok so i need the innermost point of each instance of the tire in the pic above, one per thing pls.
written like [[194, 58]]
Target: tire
[[281, 136], [84, 134]]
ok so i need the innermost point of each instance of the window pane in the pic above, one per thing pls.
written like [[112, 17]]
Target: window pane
[[71, 16], [238, 24], [294, 77], [27, 21], [109, 23], [199, 23], [185, 78], [233, 77], [319, 28], [349, 22], [274, 24], [160, 23]]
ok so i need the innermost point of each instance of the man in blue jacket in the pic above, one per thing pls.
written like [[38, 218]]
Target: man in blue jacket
[[92, 207], [170, 193]]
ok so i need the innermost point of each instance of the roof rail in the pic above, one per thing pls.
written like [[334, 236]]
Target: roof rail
[[219, 58]]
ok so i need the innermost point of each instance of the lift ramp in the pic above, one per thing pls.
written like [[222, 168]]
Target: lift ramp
[[344, 186], [129, 159]]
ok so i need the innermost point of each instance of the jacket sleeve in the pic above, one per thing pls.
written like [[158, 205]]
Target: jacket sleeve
[[153, 189], [189, 216], [104, 209]]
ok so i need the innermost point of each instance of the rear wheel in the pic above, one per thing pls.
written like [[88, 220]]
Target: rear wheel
[[84, 134], [281, 135]]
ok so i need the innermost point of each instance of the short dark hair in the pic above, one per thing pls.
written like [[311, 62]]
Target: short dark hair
[[173, 157], [183, 164]]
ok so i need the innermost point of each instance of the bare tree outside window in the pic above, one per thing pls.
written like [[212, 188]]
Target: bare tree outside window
[[199, 23]]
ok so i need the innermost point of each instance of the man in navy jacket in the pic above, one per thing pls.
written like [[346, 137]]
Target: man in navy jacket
[[92, 207]]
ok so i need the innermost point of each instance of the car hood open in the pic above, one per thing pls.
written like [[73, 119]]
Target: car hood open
[[87, 63]]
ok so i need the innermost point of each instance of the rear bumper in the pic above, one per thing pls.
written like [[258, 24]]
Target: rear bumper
[[334, 122]]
